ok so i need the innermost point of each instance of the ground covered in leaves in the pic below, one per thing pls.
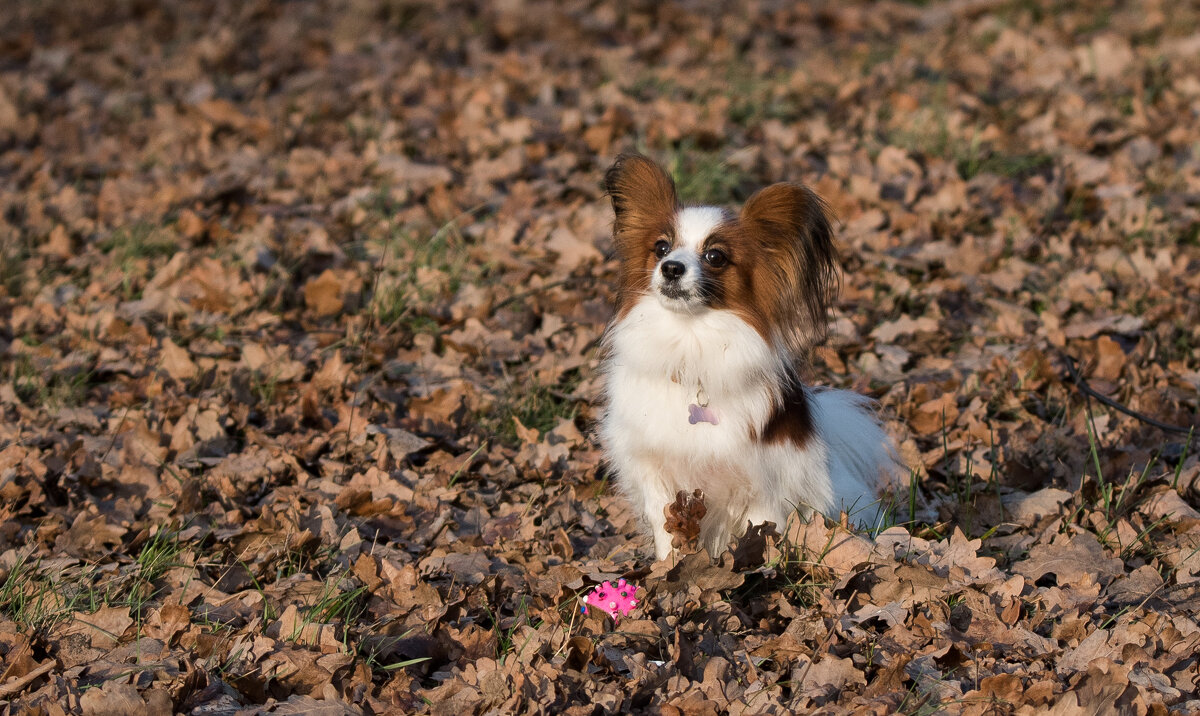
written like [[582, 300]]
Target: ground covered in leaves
[[299, 311]]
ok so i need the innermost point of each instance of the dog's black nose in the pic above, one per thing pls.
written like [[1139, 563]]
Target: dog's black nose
[[672, 270]]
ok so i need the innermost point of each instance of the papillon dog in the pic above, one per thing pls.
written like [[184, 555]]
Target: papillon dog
[[716, 311]]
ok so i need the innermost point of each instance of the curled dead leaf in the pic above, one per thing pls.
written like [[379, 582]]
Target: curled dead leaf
[[683, 518]]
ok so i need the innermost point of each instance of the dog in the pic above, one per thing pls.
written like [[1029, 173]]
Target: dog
[[716, 311]]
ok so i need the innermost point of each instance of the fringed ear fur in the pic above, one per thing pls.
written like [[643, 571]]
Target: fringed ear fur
[[793, 228], [642, 194]]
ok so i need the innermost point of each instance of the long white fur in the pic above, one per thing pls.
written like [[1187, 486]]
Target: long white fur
[[663, 357]]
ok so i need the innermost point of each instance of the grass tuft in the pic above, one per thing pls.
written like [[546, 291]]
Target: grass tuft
[[703, 177], [138, 241], [539, 407]]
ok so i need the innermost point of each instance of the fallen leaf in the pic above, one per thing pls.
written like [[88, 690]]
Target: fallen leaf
[[104, 627], [697, 569], [323, 294], [904, 326], [1070, 558], [1028, 509], [114, 699], [176, 362]]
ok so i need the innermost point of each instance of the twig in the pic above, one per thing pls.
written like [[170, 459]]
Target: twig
[[1082, 384], [16, 686]]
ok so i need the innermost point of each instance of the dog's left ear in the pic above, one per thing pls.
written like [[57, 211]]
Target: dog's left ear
[[794, 229]]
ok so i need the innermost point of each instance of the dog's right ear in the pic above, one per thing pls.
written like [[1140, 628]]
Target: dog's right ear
[[642, 194]]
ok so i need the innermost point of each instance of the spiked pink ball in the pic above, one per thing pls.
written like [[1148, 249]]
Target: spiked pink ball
[[615, 600]]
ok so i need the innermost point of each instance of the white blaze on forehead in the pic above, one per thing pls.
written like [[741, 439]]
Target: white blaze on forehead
[[692, 227], [695, 223]]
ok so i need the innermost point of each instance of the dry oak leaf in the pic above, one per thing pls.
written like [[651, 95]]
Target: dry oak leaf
[[58, 244], [824, 679], [190, 224], [1004, 687], [17, 684], [697, 569], [439, 408], [691, 703], [935, 415], [400, 442], [959, 554], [171, 619], [892, 614], [1168, 504], [272, 362], [334, 373], [118, 699], [889, 331], [330, 705], [556, 579], [1105, 690], [956, 557], [835, 548], [526, 435], [1070, 558], [176, 361], [1106, 57], [1138, 585], [293, 627], [417, 178], [571, 249], [17, 652], [1110, 359], [467, 567], [1028, 509], [1100, 644], [323, 294], [88, 535], [754, 547], [104, 628], [1182, 552], [905, 584], [1122, 324], [224, 113], [303, 671], [213, 286]]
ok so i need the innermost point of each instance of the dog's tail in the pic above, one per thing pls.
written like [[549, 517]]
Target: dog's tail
[[863, 460]]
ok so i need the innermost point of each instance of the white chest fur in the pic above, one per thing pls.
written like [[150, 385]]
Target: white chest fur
[[661, 362]]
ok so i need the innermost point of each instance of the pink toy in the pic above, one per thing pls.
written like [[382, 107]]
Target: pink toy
[[617, 601]]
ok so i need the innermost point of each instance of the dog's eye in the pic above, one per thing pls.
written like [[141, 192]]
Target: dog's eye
[[715, 258], [661, 248]]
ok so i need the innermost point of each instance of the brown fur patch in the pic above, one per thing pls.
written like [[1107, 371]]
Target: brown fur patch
[[792, 419], [645, 203]]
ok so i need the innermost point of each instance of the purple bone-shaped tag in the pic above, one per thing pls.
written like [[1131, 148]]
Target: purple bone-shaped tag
[[701, 414]]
